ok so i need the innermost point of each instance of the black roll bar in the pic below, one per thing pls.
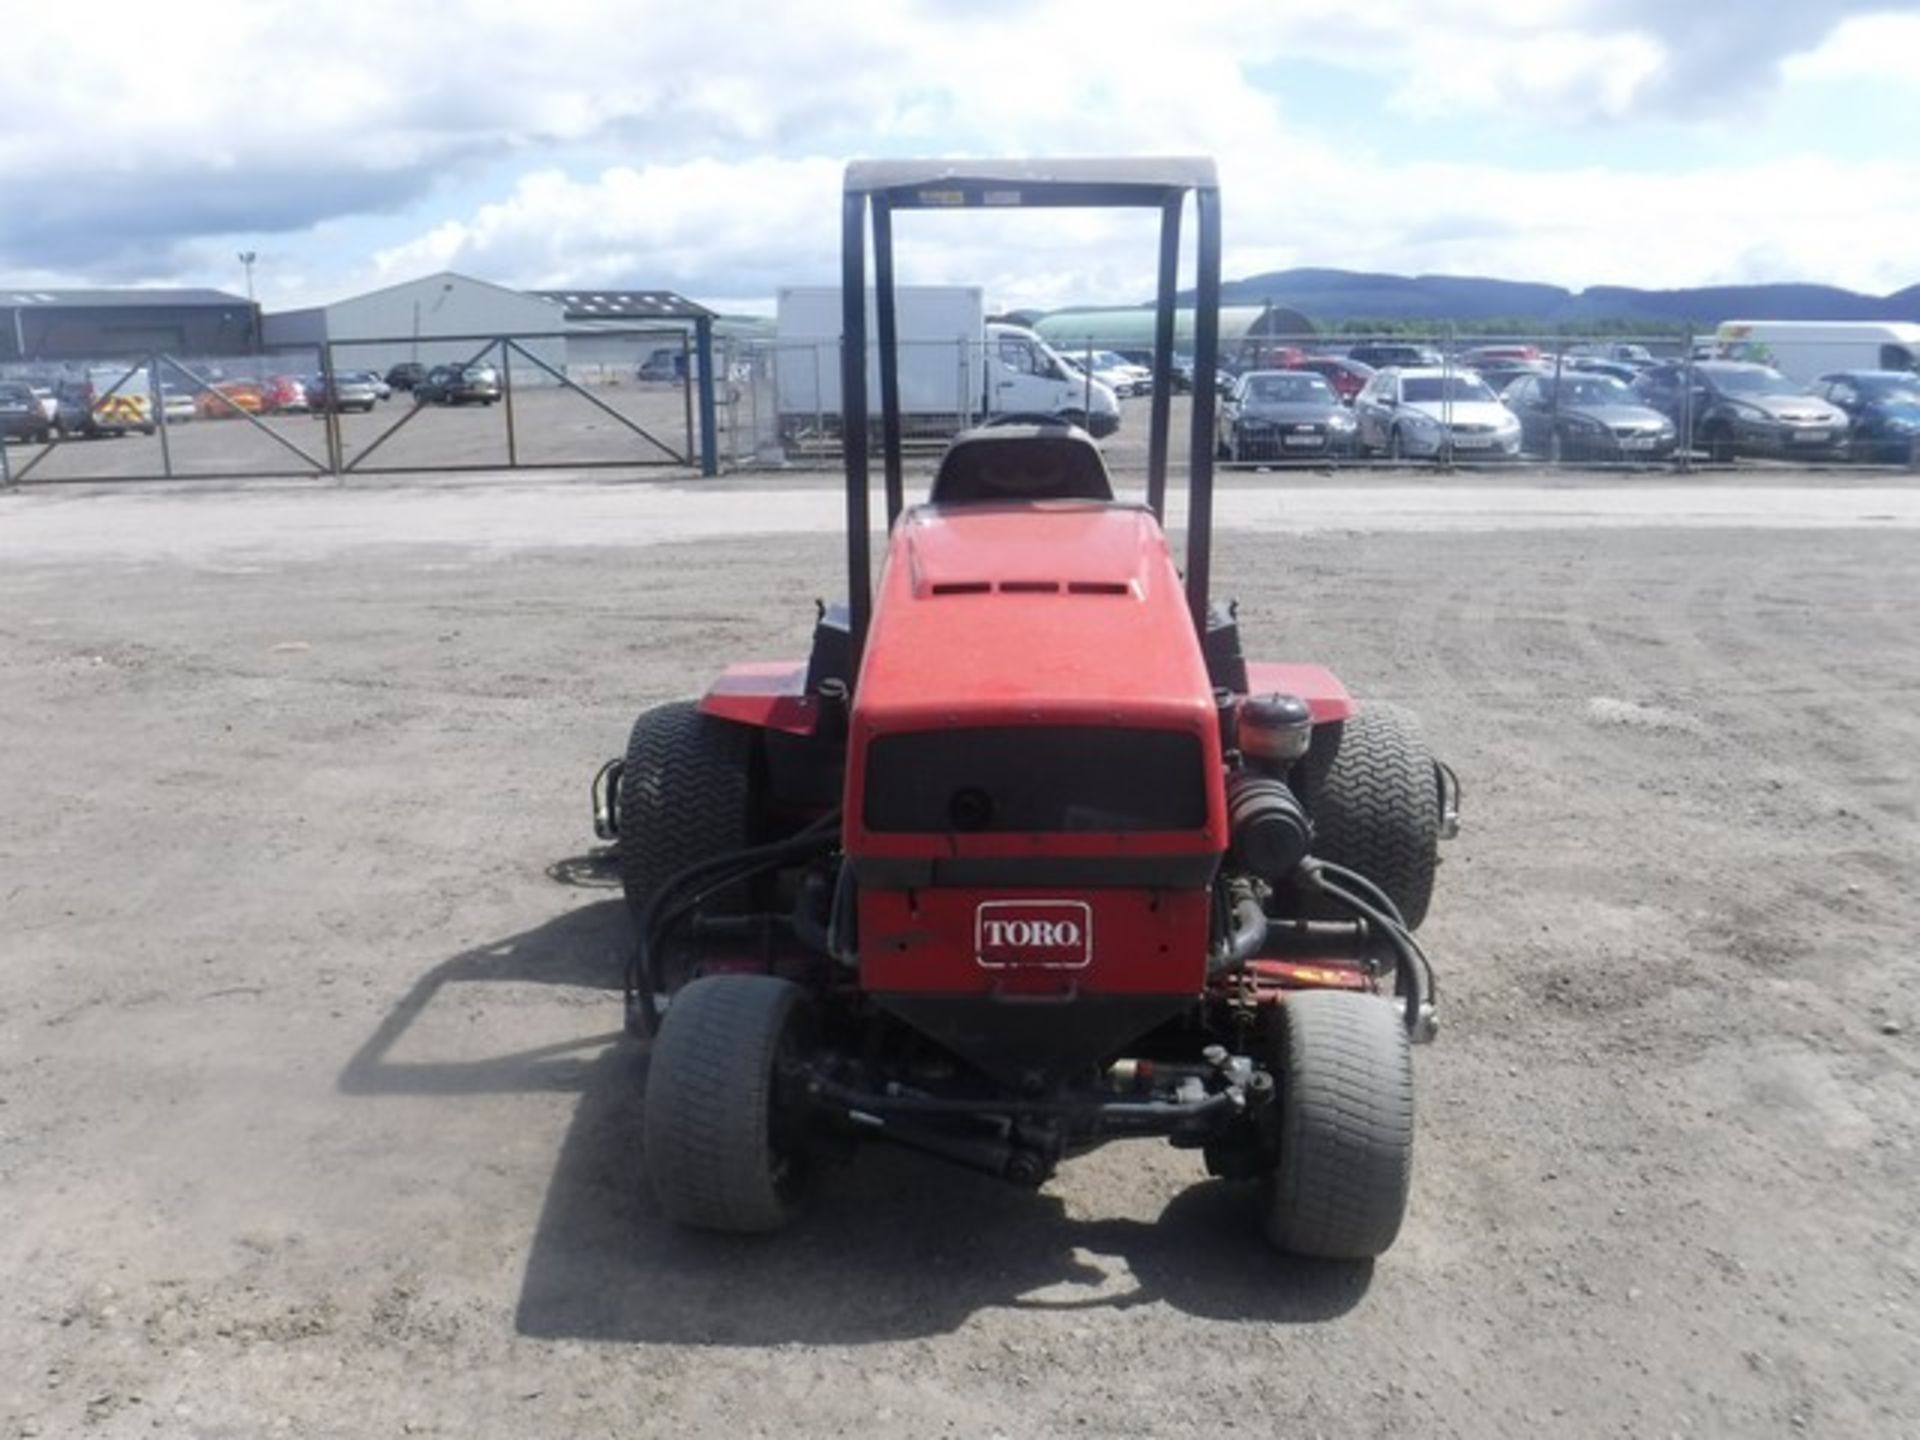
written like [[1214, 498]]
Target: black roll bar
[[885, 186]]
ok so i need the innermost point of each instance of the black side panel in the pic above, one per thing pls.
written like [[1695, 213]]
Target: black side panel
[[1017, 779], [832, 655], [1226, 666]]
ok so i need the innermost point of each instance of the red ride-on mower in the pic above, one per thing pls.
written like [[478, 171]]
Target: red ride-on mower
[[1027, 856]]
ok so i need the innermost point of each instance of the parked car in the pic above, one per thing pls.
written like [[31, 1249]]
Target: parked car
[[22, 417], [1424, 411], [106, 401], [229, 399], [1282, 415], [1346, 378], [1482, 356], [458, 385], [1109, 369], [1617, 352], [1499, 374], [1180, 371], [285, 394], [1620, 370], [1744, 409], [350, 390], [1380, 354], [177, 405], [1883, 412], [44, 390], [1577, 416], [406, 375], [663, 365]]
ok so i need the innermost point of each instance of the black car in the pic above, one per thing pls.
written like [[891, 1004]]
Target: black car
[[1587, 417], [22, 416], [1741, 409], [458, 385], [1883, 407], [1282, 415], [1380, 354], [406, 375]]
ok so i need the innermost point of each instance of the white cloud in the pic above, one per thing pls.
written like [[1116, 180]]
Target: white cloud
[[685, 145]]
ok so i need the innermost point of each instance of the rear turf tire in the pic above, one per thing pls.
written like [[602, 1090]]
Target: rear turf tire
[[1373, 791], [725, 1128], [1339, 1188]]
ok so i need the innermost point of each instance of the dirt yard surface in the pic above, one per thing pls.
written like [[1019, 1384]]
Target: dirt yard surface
[[314, 1120]]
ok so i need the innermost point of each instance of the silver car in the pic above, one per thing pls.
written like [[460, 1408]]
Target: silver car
[[1431, 411]]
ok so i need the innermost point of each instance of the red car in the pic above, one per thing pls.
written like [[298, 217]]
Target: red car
[[1347, 377], [284, 394]]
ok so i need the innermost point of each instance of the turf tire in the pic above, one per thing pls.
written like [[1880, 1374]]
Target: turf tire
[[1375, 803], [685, 796], [1339, 1188], [724, 1131]]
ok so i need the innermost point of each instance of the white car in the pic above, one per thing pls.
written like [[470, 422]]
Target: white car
[[1426, 410], [1120, 375]]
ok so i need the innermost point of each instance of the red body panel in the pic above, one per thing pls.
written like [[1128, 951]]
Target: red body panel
[[1138, 942], [770, 694], [1057, 613]]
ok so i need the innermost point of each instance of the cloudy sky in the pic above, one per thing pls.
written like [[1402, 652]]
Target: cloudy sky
[[698, 146]]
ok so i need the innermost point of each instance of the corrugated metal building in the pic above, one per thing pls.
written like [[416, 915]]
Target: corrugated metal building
[[443, 319], [611, 332], [82, 325]]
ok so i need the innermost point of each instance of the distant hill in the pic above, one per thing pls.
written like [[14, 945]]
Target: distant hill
[[1335, 297]]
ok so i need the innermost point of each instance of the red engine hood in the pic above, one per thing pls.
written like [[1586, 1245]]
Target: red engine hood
[[1055, 611]]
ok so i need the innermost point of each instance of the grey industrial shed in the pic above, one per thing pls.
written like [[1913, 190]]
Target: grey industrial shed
[[80, 325]]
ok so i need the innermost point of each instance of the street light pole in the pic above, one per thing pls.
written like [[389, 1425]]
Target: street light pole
[[247, 257]]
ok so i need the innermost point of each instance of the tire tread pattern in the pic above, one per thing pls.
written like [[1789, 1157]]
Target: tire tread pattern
[[684, 796], [709, 1105], [1346, 1151], [1376, 806]]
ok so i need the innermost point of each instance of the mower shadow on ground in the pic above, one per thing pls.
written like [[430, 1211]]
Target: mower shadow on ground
[[895, 1245]]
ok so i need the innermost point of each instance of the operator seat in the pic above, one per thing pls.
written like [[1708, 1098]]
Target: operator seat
[[1042, 461]]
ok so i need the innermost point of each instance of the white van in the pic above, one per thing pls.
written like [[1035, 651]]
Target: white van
[[956, 368], [1804, 350]]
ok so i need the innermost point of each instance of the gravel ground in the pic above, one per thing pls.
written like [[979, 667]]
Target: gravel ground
[[314, 1121]]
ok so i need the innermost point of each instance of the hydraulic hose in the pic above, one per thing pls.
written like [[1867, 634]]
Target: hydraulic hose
[[669, 903], [1414, 970]]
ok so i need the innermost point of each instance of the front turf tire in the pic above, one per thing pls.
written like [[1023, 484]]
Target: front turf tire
[[1339, 1188], [724, 1123]]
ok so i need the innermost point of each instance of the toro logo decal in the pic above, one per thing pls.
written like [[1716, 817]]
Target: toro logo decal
[[1052, 934]]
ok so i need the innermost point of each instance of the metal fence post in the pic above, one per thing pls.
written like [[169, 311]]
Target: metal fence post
[[506, 394], [6, 466], [1685, 446], [156, 397], [709, 422]]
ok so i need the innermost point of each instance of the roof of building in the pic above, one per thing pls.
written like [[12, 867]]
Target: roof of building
[[623, 304], [24, 296]]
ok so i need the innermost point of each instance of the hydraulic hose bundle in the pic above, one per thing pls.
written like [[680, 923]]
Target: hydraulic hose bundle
[[683, 892]]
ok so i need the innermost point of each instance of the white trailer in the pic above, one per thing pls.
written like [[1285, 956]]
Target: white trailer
[[955, 369], [1804, 350]]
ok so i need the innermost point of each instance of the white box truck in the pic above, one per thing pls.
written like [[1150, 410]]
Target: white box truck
[[956, 369], [1804, 350]]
